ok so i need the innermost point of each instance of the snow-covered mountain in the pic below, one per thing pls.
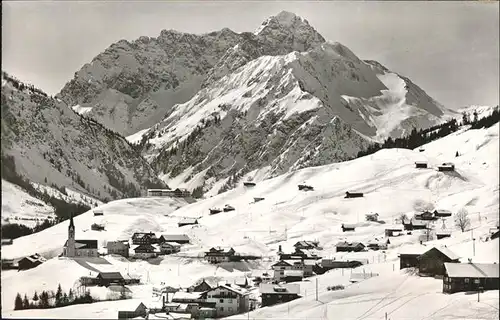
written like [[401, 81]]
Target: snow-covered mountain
[[48, 143], [219, 105]]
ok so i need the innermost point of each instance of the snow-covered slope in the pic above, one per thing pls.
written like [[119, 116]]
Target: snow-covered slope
[[391, 185], [51, 144]]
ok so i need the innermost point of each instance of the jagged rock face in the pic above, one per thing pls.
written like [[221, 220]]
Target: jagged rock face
[[131, 85], [51, 144]]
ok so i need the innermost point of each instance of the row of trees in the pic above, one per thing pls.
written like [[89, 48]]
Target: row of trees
[[49, 299], [15, 230]]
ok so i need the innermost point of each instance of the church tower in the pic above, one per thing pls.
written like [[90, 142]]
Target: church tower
[[70, 244]]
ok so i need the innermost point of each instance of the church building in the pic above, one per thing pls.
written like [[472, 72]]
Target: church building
[[78, 248]]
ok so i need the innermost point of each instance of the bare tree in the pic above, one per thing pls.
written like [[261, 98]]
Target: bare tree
[[403, 217], [462, 219]]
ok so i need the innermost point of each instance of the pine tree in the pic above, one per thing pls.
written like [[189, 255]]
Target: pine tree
[[58, 295], [44, 300], [71, 296], [26, 302], [65, 300], [18, 304], [35, 296]]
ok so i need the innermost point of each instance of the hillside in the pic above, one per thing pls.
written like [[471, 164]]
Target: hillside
[[47, 143], [287, 215]]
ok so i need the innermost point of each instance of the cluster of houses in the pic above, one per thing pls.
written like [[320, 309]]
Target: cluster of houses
[[446, 166], [106, 279], [443, 263], [177, 193]]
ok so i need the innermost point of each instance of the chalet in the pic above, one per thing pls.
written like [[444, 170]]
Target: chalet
[[420, 164], [463, 277], [371, 217], [217, 255], [299, 254], [348, 227], [30, 262], [426, 215], [7, 242], [279, 269], [169, 247], [228, 208], [440, 213], [415, 224], [440, 234], [118, 247], [350, 246], [353, 195], [273, 294], [205, 285], [181, 193], [242, 282], [249, 184], [140, 311], [431, 262], [257, 199], [304, 187], [306, 245], [375, 245], [144, 238], [229, 300], [187, 222], [107, 278], [177, 238], [187, 297], [408, 256], [393, 231], [293, 275], [98, 213], [144, 251], [447, 166], [97, 227], [215, 210]]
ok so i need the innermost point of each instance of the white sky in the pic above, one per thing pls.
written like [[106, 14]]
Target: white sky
[[450, 49]]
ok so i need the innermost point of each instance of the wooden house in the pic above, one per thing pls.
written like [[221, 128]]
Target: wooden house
[[187, 297], [140, 311], [371, 217], [408, 256], [304, 187], [98, 213], [349, 246], [353, 195], [205, 285], [348, 227], [177, 238], [107, 278], [293, 275], [440, 234], [181, 193], [229, 300], [393, 231], [441, 213], [431, 262], [339, 264], [7, 242], [228, 208], [215, 211], [30, 262], [464, 277], [306, 245], [415, 224], [169, 247], [420, 164], [187, 222], [447, 166], [249, 184], [426, 215], [273, 294], [97, 227], [144, 238], [257, 199], [376, 245], [218, 255], [118, 247], [145, 251], [159, 192]]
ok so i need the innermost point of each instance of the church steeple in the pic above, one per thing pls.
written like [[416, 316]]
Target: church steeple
[[71, 223], [70, 244]]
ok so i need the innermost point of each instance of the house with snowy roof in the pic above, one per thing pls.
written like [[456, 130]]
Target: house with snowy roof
[[345, 246], [306, 245], [187, 222], [273, 294], [144, 238], [408, 255], [229, 300], [463, 277], [30, 262], [217, 255], [78, 248], [178, 238]]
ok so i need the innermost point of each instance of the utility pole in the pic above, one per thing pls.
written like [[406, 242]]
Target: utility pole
[[316, 289]]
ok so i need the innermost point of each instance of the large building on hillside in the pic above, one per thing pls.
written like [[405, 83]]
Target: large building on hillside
[[78, 248]]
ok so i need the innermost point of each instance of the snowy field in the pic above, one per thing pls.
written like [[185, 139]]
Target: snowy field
[[391, 185]]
